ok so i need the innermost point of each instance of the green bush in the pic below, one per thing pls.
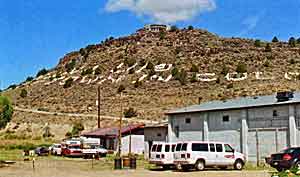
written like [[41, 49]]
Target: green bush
[[6, 111], [87, 72], [298, 40], [175, 71], [194, 69], [190, 27], [292, 42], [97, 71], [150, 66], [23, 93], [129, 62], [173, 28], [68, 83], [77, 129], [275, 39], [28, 79], [42, 72], [194, 78], [121, 88], [13, 86], [257, 43], [130, 112], [241, 68], [225, 69], [182, 77], [70, 66], [268, 48]]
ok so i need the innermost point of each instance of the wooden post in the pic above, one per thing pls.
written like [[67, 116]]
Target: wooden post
[[257, 148], [130, 141], [33, 165], [120, 127]]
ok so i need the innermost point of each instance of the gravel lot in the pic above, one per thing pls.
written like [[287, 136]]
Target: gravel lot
[[84, 169]]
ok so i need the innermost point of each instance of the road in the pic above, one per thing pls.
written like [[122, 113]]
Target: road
[[88, 168], [81, 115]]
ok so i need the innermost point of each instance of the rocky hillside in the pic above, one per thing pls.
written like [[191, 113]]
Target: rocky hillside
[[159, 71]]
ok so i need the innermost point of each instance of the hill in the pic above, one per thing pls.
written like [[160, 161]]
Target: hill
[[159, 71]]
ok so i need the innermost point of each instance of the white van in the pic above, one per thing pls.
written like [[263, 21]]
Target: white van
[[198, 155], [162, 154]]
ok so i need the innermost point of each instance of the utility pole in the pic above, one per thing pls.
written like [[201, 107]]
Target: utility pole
[[99, 96], [120, 127]]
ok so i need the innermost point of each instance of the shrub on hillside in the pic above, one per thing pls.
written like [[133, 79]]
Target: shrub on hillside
[[194, 78], [97, 71], [87, 72], [257, 43], [6, 111], [129, 62], [190, 27], [173, 28], [42, 72], [28, 79], [292, 42], [174, 71], [68, 83], [130, 112], [70, 66], [121, 88], [241, 68], [268, 48], [275, 39], [194, 69], [23, 93], [77, 129], [182, 77]]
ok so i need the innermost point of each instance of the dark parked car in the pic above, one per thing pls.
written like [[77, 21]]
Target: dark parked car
[[285, 159], [41, 151]]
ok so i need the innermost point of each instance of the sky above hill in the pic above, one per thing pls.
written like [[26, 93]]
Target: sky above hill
[[35, 34]]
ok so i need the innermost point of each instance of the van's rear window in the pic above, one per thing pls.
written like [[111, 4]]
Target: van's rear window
[[159, 148], [200, 147], [154, 148], [173, 147], [178, 147]]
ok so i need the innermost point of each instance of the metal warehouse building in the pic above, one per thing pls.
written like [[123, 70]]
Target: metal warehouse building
[[255, 126]]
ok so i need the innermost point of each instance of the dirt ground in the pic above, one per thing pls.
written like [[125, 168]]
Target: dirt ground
[[83, 168]]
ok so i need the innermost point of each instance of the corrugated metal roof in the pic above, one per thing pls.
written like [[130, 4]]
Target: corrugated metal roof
[[239, 103], [113, 131]]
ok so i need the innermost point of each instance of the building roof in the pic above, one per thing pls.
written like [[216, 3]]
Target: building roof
[[113, 131], [238, 103]]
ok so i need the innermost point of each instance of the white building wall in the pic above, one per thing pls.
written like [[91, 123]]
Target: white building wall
[[137, 144]]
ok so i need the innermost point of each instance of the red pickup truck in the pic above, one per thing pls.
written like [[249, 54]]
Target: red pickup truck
[[71, 150]]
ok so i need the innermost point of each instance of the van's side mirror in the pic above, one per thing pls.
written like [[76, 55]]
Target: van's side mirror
[[233, 151]]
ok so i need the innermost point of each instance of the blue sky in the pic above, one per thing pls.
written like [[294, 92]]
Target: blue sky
[[35, 34]]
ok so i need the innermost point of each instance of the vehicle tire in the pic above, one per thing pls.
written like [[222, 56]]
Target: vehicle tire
[[297, 165], [238, 165], [178, 167], [279, 169], [200, 165]]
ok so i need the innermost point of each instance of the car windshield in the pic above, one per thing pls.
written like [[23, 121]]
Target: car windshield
[[74, 147]]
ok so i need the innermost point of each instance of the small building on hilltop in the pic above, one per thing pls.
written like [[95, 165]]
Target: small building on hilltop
[[255, 126], [109, 138]]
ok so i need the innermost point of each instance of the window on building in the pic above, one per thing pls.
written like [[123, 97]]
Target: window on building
[[177, 131], [219, 147], [187, 120], [200, 147], [226, 118], [184, 147], [159, 134], [275, 113]]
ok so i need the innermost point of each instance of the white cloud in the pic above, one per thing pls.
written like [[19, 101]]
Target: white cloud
[[164, 11]]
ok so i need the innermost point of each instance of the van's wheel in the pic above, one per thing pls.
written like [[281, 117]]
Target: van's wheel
[[297, 165], [200, 165], [238, 165], [178, 167]]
